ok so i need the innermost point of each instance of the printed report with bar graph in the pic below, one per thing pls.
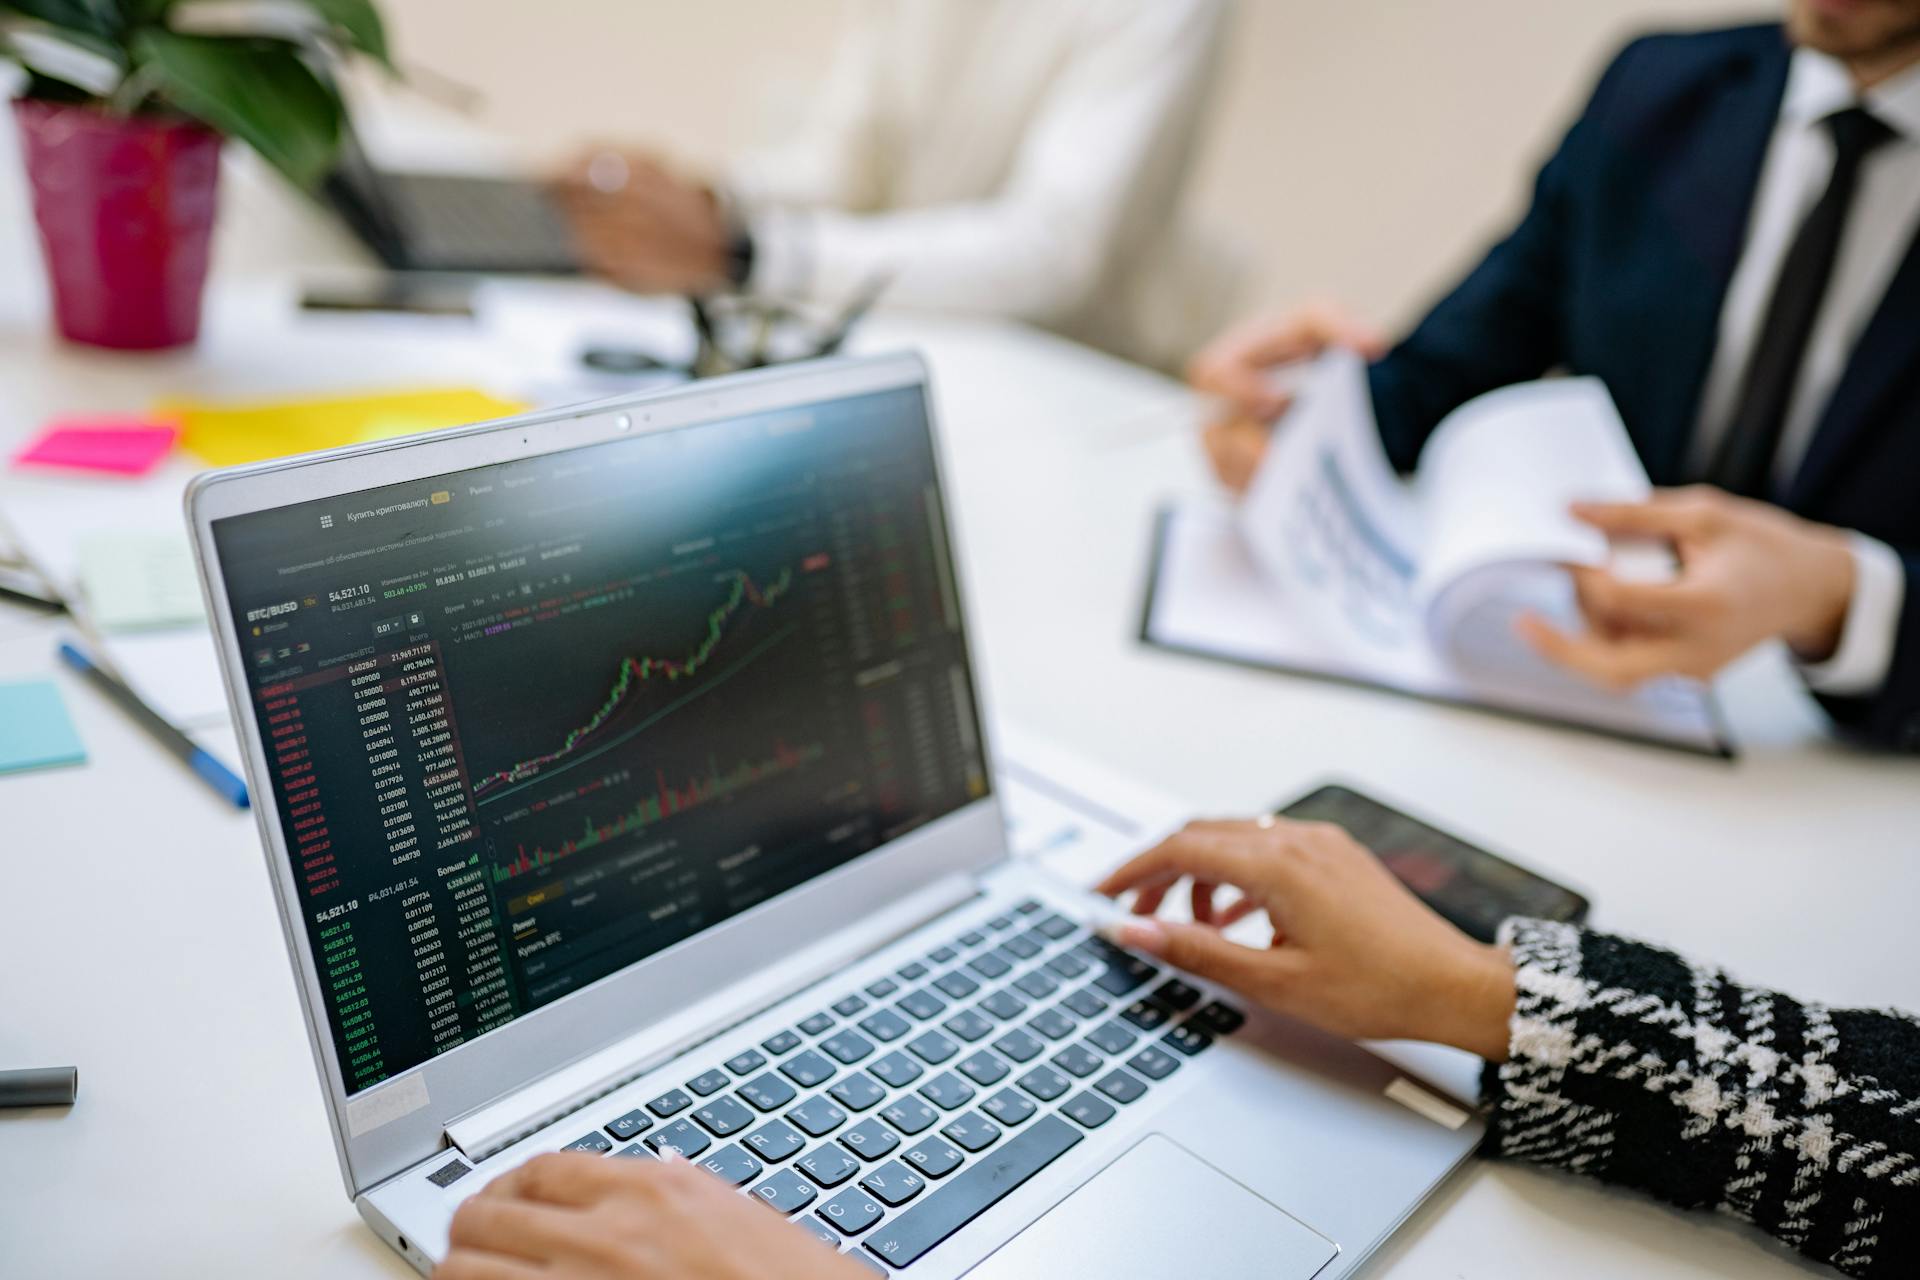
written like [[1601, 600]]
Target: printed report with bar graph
[[1333, 566], [535, 721]]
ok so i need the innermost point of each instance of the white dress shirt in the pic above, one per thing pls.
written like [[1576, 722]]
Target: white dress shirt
[[1880, 229], [1021, 158]]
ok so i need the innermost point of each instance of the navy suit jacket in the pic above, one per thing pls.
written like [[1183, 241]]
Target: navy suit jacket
[[1619, 270]]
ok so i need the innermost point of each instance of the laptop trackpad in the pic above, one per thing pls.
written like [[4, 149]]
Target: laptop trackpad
[[1160, 1211]]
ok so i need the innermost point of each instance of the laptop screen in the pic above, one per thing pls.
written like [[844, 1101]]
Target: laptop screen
[[532, 722]]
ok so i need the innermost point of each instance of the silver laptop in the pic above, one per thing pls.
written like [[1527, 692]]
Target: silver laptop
[[629, 789]]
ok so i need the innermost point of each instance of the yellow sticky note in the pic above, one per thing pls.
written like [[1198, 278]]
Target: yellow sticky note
[[227, 435]]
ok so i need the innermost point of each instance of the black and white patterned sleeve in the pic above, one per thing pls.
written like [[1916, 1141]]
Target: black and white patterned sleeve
[[1637, 1067]]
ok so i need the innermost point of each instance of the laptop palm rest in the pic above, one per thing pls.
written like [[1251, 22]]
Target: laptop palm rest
[[1159, 1210]]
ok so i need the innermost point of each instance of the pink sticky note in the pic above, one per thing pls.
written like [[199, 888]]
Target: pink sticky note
[[119, 446]]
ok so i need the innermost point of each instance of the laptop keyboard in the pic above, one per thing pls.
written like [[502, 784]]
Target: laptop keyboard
[[867, 1121]]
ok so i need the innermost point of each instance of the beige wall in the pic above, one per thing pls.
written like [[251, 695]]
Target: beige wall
[[1361, 149]]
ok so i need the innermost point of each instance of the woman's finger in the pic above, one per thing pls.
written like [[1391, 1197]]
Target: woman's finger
[[1248, 858]]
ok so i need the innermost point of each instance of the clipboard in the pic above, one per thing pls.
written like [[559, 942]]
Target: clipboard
[[1241, 623]]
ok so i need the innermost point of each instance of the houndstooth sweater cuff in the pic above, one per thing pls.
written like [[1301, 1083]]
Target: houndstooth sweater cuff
[[1632, 1065]]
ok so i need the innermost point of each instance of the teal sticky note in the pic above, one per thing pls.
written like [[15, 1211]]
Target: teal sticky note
[[35, 730]]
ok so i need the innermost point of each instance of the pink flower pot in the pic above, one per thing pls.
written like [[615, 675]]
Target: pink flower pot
[[125, 208]]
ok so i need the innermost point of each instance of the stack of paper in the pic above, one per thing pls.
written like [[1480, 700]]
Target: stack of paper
[[1336, 567]]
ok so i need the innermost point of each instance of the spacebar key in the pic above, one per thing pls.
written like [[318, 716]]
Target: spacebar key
[[988, 1181]]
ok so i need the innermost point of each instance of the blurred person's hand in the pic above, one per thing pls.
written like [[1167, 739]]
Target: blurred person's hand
[[573, 1216], [1749, 572], [642, 226], [1353, 951], [1235, 448], [1237, 367]]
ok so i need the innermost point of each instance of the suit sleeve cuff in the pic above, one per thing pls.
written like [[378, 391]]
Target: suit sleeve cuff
[[1860, 664]]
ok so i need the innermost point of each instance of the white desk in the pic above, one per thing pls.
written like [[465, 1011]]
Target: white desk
[[140, 942]]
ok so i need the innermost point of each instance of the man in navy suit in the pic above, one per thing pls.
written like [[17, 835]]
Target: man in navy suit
[[1729, 237]]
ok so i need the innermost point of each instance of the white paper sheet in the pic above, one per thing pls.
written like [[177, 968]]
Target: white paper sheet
[[1210, 598], [1497, 477], [1389, 567], [1334, 529], [1340, 567], [1075, 818], [177, 673]]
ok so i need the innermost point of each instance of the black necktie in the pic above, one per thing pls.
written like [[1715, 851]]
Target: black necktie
[[1743, 463]]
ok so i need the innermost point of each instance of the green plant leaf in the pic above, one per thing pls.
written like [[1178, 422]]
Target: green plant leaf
[[47, 89], [359, 21], [92, 41], [354, 24], [259, 91], [90, 63], [142, 13], [91, 17]]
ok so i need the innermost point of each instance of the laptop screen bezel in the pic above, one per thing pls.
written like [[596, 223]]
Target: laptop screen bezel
[[395, 1124]]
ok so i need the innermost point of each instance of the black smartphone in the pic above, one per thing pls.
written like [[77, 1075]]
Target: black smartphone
[[1472, 888]]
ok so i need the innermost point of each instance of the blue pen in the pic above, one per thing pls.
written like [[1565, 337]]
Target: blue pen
[[211, 771]]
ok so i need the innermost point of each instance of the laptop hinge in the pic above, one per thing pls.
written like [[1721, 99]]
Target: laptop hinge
[[486, 1130]]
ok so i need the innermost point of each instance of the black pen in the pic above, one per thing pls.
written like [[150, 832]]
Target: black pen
[[42, 1087], [45, 604]]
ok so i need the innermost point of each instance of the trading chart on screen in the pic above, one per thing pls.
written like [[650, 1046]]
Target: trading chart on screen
[[533, 722]]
